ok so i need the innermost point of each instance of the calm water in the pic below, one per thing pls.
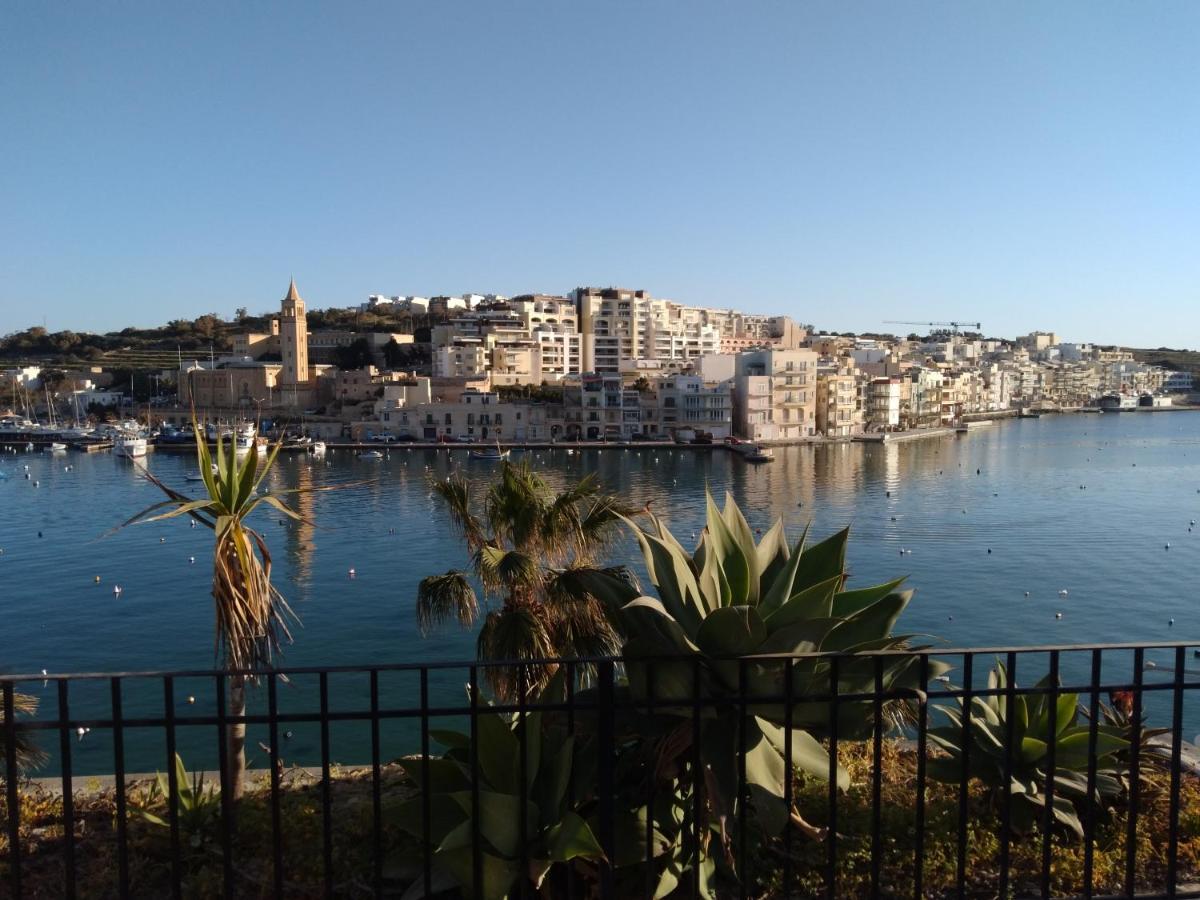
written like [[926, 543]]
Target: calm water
[[1014, 489]]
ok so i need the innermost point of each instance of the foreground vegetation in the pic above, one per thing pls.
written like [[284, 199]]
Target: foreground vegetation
[[353, 840]]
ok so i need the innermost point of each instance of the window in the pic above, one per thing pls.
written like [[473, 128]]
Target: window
[[499, 421], [449, 419]]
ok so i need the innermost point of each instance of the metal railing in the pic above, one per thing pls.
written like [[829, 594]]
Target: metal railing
[[1151, 681]]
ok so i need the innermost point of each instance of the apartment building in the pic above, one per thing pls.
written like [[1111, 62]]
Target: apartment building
[[684, 406], [599, 406], [475, 416], [921, 397], [839, 409], [775, 394], [881, 407]]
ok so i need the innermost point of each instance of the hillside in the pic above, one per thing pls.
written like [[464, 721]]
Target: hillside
[[1183, 360]]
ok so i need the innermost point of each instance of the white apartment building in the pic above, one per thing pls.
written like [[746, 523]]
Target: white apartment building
[[620, 326], [839, 413], [775, 394], [600, 407], [882, 404]]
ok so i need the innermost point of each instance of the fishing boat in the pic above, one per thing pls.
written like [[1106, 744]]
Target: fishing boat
[[130, 446], [489, 454], [370, 454], [245, 437]]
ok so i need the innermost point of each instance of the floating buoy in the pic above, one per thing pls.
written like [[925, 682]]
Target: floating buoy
[[193, 521], [950, 618], [1170, 621], [1027, 593], [192, 560], [352, 573], [1168, 546], [287, 735], [97, 579], [27, 475], [117, 590], [162, 540], [39, 534], [81, 731], [191, 699], [1058, 615], [36, 483], [989, 550], [1062, 593]]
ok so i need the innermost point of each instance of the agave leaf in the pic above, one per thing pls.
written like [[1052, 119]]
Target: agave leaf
[[670, 571], [499, 818], [729, 553], [808, 754], [659, 632], [731, 631], [870, 624], [813, 602], [499, 755], [772, 555], [572, 838], [1071, 751], [498, 874], [777, 589], [739, 529], [847, 603], [823, 561]]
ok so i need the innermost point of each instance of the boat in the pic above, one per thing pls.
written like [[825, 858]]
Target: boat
[[489, 454], [196, 476], [756, 454], [56, 447], [1118, 402], [317, 448], [129, 446], [245, 437], [370, 454]]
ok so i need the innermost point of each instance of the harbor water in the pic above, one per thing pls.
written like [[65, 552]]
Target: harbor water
[[990, 528]]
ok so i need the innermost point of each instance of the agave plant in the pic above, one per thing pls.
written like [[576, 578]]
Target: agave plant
[[733, 599], [536, 552], [556, 831], [252, 616], [1034, 722], [196, 804]]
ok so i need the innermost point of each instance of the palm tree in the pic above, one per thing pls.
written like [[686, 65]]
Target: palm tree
[[251, 614], [29, 754], [529, 546]]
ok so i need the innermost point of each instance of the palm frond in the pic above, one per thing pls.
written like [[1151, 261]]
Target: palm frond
[[442, 598], [456, 494], [516, 635], [29, 754]]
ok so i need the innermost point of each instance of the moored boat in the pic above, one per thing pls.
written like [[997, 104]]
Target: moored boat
[[370, 454], [489, 454], [129, 446]]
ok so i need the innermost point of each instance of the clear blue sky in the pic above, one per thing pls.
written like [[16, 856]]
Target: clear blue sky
[[1029, 164]]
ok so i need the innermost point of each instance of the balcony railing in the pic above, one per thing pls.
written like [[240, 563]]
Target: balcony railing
[[913, 818]]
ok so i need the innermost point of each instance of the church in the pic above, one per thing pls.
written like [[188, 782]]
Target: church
[[248, 384]]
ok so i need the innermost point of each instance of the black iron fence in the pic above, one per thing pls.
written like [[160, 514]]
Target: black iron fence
[[1026, 771]]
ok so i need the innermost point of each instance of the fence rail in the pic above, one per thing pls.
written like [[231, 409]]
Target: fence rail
[[647, 736]]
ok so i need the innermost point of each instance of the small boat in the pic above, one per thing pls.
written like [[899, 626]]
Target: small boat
[[489, 454], [758, 455], [196, 476], [317, 448], [370, 454], [56, 447]]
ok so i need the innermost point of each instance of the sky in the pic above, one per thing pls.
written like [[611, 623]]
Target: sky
[[1023, 164]]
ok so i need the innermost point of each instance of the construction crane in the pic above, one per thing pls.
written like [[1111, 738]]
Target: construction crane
[[941, 325]]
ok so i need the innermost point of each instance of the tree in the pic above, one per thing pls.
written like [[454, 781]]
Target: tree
[[251, 614], [531, 549], [355, 355]]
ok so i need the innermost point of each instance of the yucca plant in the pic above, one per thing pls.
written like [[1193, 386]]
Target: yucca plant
[[557, 832], [1034, 720], [730, 600], [536, 552], [252, 616]]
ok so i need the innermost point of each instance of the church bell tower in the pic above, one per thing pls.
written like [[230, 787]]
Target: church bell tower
[[293, 339]]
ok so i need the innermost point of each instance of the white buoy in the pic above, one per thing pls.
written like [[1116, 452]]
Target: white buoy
[[352, 573], [117, 590], [1168, 546], [191, 699], [1062, 593], [162, 540], [192, 560], [1170, 621], [1058, 615]]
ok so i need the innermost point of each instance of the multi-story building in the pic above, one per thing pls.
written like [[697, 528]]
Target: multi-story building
[[922, 405], [881, 407], [620, 327], [775, 394], [839, 409], [474, 415], [600, 407], [677, 404]]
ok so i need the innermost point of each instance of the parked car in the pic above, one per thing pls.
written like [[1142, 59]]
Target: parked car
[[384, 436]]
